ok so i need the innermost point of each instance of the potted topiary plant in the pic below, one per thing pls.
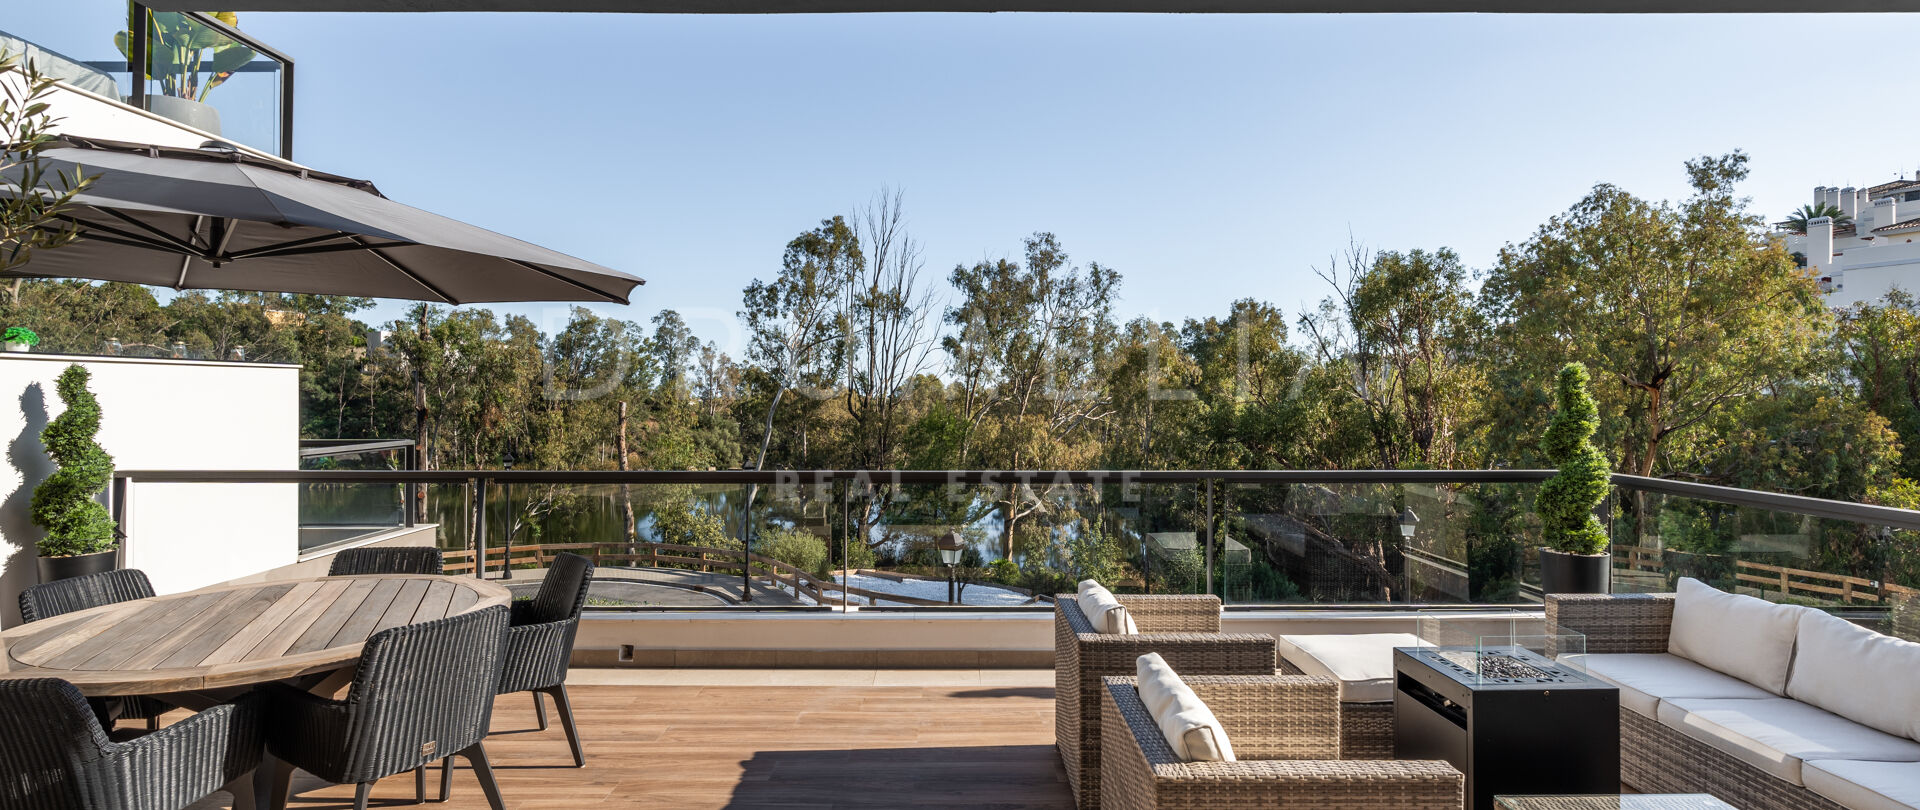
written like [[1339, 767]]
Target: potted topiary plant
[[80, 534], [19, 339], [1575, 558]]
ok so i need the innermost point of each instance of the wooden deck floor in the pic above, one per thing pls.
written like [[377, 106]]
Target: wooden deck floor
[[980, 746]]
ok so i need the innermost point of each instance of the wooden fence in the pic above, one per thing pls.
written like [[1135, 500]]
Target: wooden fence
[[1788, 581], [765, 571]]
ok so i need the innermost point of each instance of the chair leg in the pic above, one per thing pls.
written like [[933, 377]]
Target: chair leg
[[360, 792], [420, 785], [281, 788], [540, 710], [483, 771], [153, 724], [565, 706], [446, 777], [241, 788]]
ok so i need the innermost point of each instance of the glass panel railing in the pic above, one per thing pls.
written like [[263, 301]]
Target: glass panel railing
[[1411, 543], [837, 540], [1780, 555], [208, 79], [75, 42]]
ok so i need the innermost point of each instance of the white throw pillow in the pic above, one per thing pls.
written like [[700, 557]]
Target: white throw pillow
[[1185, 721], [1088, 585], [1866, 677], [1106, 613], [1750, 639]]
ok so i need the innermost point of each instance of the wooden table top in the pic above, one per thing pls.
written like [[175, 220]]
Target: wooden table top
[[234, 635]]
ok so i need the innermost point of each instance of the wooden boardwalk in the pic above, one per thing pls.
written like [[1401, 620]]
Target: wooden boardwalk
[[979, 746]]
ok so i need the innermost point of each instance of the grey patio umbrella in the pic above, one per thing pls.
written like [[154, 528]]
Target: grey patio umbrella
[[218, 218]]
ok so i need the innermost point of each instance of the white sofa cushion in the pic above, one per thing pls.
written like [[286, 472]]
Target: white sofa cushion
[[1362, 663], [1750, 639], [1188, 725], [1645, 679], [1861, 675], [1777, 734], [1105, 612], [1863, 785]]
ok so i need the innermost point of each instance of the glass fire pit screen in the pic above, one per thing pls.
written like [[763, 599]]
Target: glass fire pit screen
[[1501, 650]]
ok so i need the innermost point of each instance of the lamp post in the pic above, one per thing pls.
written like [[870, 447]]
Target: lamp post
[[950, 546], [506, 560]]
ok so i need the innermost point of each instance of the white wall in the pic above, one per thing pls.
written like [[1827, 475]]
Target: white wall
[[92, 116], [162, 415]]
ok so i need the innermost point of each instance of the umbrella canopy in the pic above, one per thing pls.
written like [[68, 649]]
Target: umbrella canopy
[[218, 218]]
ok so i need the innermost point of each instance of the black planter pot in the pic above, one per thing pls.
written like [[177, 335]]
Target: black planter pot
[[79, 565], [1575, 573]]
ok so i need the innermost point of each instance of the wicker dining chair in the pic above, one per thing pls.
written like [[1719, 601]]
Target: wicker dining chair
[[423, 692], [54, 754], [540, 647], [47, 600], [390, 560]]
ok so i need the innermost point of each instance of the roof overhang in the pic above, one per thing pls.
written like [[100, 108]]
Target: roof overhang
[[1177, 6]]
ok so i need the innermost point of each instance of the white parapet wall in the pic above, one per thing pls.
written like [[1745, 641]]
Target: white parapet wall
[[159, 414]]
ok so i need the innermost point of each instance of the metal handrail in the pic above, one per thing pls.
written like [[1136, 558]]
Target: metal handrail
[[1777, 502]]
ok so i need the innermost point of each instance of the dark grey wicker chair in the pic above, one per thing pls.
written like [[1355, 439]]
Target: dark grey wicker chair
[[397, 560], [540, 647], [423, 692], [54, 755], [52, 599]]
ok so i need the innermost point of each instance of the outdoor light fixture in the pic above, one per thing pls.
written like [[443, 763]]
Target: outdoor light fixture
[[1407, 521], [950, 546]]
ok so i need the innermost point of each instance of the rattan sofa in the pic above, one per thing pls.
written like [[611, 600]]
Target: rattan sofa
[[1285, 732], [1657, 757], [1185, 630]]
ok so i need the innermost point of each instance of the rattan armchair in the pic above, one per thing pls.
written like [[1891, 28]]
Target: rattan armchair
[[385, 560], [1285, 732], [51, 599], [54, 755], [1185, 630], [423, 692]]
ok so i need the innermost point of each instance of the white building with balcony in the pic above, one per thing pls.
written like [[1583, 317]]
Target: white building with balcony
[[1873, 254]]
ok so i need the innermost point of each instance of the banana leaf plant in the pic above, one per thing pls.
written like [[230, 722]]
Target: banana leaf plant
[[188, 58]]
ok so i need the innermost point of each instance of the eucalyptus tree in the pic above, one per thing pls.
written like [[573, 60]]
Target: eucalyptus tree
[[794, 330], [1399, 325], [1681, 311]]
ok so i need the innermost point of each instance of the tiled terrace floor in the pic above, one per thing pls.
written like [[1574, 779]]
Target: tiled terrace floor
[[978, 739]]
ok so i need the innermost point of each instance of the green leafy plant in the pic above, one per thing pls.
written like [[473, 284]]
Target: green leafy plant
[[188, 58], [1566, 501], [20, 334], [64, 504], [31, 198]]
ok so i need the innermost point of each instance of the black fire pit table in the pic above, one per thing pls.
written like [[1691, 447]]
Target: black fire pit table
[[1513, 721]]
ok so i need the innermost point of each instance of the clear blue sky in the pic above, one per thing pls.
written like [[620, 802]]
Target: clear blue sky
[[1208, 158]]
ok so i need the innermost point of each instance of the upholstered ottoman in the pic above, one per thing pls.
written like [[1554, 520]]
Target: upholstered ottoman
[[1363, 665]]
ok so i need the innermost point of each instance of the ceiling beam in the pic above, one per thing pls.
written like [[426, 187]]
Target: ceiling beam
[[1184, 6]]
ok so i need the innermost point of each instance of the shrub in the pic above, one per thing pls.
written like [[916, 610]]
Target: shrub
[[64, 504], [797, 548], [1566, 501]]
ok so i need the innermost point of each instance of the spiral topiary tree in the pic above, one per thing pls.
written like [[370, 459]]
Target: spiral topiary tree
[[64, 504], [1567, 500]]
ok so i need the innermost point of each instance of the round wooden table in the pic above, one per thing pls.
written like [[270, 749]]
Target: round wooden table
[[232, 636]]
